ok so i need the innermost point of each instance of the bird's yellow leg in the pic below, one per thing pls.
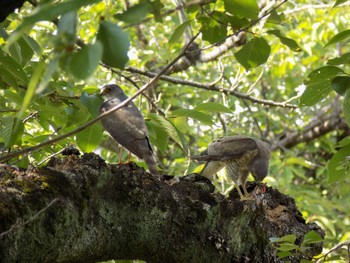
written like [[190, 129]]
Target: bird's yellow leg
[[239, 192], [120, 155], [246, 196], [129, 157], [245, 190]]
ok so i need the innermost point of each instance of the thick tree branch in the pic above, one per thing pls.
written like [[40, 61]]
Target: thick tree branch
[[314, 130], [121, 212]]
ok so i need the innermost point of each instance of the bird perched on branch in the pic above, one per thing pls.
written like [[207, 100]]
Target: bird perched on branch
[[240, 155], [127, 125]]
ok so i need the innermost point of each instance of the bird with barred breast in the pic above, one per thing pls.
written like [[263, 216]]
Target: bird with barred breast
[[127, 125], [240, 155]]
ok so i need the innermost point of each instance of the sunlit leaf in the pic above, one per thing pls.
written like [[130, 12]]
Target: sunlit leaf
[[287, 247], [318, 84], [242, 8], [312, 237], [134, 14], [291, 43], [90, 138], [178, 32], [287, 238], [115, 44], [254, 53], [339, 37], [51, 68]]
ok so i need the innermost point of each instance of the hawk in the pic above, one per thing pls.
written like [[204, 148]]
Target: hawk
[[240, 155], [127, 125]]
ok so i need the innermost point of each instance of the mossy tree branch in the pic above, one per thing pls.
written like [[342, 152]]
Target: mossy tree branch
[[79, 209]]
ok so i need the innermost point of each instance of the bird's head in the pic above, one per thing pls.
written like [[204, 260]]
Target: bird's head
[[111, 91], [259, 168]]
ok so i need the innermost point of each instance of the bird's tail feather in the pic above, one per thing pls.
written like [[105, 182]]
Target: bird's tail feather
[[152, 164]]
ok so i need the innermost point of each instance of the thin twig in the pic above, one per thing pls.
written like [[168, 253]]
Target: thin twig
[[336, 247], [98, 118], [212, 87]]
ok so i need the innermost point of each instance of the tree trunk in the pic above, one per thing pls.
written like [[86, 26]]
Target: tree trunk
[[80, 209]]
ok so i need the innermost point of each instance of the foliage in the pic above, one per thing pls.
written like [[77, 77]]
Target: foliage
[[286, 245], [53, 58]]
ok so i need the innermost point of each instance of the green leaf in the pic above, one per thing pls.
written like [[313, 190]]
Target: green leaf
[[49, 71], [30, 93], [8, 78], [236, 22], [156, 9], [312, 237], [90, 138], [13, 67], [115, 44], [287, 238], [283, 254], [91, 103], [178, 32], [170, 129], [341, 84], [287, 247], [212, 31], [337, 167], [12, 131], [338, 2], [254, 53], [212, 106], [67, 29], [134, 14], [83, 63], [338, 37], [91, 89], [346, 106], [344, 142], [194, 114], [285, 40], [158, 136], [318, 84], [343, 59], [47, 12], [242, 8]]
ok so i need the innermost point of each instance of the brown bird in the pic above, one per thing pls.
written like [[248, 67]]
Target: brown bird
[[127, 125], [240, 155]]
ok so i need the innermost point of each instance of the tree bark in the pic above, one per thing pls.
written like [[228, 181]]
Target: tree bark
[[80, 209]]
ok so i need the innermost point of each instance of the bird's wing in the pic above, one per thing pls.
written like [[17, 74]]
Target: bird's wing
[[211, 168], [128, 120], [231, 146]]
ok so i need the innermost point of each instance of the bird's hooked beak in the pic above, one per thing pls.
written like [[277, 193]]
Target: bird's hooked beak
[[104, 91]]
